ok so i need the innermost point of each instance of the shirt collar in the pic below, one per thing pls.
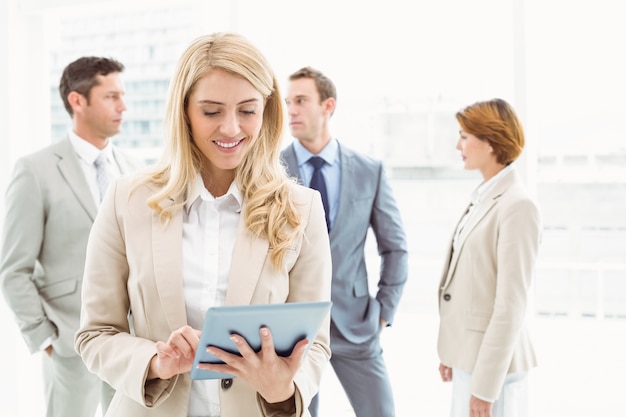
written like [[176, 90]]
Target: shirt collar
[[485, 187], [329, 154], [199, 192], [86, 151]]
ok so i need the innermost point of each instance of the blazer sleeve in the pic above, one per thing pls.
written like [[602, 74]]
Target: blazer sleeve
[[519, 234], [104, 340], [386, 223], [309, 280], [25, 215]]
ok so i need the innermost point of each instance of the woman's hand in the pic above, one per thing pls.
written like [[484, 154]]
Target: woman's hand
[[479, 408], [445, 372], [269, 374], [176, 356]]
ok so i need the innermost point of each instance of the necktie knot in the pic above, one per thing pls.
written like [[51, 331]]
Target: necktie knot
[[100, 160], [316, 162]]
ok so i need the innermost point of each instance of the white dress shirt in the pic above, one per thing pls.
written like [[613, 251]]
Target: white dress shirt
[[209, 232], [477, 198], [87, 154], [331, 171]]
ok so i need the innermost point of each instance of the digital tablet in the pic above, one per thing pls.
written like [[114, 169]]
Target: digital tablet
[[288, 322]]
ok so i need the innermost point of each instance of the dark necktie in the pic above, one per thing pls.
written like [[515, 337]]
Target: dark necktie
[[318, 183]]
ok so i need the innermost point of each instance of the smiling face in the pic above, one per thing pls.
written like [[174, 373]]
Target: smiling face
[[225, 113]]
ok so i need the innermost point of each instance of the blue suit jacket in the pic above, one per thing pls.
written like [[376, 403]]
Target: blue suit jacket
[[365, 200]]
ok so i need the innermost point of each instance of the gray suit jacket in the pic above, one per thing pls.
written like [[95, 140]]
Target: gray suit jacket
[[365, 200], [49, 211]]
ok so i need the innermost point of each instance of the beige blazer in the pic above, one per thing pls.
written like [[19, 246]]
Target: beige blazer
[[134, 264], [484, 289]]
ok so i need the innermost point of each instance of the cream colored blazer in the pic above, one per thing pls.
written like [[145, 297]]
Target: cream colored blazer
[[484, 289], [134, 264]]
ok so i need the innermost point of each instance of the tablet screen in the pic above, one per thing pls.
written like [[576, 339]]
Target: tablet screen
[[288, 322]]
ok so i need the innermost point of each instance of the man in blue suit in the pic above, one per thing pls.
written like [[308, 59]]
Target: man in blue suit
[[356, 196]]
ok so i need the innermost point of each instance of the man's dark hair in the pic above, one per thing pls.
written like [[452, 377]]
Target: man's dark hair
[[81, 76], [325, 86]]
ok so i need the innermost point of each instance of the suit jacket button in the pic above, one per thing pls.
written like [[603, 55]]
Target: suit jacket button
[[227, 383], [447, 297]]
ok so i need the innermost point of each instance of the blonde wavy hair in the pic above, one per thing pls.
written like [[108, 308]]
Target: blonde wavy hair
[[269, 211]]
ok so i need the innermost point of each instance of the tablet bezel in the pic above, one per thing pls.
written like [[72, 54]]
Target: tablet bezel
[[288, 322]]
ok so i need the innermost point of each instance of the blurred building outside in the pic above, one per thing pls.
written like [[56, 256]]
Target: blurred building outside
[[579, 303]]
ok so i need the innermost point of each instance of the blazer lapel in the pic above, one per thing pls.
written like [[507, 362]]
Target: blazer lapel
[[490, 200], [69, 167], [249, 256], [481, 211], [485, 207], [122, 162], [451, 259], [347, 184], [168, 266], [291, 163], [346, 187]]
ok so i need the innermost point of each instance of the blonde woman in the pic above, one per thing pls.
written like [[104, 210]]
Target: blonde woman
[[215, 222], [483, 344]]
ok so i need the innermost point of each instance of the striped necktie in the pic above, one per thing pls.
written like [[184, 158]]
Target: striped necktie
[[103, 173]]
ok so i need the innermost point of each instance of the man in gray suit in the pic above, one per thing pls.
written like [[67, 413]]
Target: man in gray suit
[[356, 196], [51, 203]]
